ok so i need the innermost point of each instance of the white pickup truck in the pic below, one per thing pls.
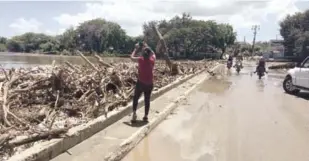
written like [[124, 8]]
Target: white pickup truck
[[297, 78]]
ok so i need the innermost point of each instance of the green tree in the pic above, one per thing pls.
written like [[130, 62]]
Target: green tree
[[129, 44], [164, 27], [3, 48], [224, 37], [3, 40], [294, 30], [188, 36], [15, 45], [98, 35], [68, 40], [183, 35], [30, 42]]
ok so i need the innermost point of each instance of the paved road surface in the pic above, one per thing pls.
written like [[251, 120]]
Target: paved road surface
[[236, 118]]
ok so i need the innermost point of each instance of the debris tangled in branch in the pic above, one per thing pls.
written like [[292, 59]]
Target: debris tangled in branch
[[44, 102]]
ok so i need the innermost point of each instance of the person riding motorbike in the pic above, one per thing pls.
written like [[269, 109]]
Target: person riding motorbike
[[239, 60], [230, 61], [261, 66], [230, 58]]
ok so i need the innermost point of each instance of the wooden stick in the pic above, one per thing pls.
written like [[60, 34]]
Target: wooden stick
[[72, 67], [4, 105], [17, 118], [53, 65], [101, 61], [33, 138], [54, 113], [174, 68], [5, 73], [88, 61], [4, 139], [163, 46]]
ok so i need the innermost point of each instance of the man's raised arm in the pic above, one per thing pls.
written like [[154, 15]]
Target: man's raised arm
[[153, 54], [133, 56]]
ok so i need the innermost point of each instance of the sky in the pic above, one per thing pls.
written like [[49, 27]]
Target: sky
[[53, 17]]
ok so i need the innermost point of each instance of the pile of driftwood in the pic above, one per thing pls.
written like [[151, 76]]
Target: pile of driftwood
[[44, 102]]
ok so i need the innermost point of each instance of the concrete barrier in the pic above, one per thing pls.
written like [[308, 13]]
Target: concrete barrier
[[132, 141], [52, 148]]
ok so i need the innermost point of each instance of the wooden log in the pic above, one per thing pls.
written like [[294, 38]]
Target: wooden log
[[45, 135], [4, 105], [162, 48], [53, 66], [87, 60], [5, 73], [101, 61], [72, 67]]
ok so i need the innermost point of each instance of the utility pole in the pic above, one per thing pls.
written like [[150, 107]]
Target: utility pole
[[254, 29]]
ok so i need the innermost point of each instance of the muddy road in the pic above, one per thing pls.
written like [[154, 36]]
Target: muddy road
[[232, 118]]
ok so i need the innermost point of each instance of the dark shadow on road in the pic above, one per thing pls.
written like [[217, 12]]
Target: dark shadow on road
[[137, 123], [303, 95]]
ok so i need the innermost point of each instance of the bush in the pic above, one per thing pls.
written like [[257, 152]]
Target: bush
[[3, 48]]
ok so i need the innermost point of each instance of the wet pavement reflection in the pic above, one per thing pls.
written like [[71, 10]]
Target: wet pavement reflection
[[232, 117]]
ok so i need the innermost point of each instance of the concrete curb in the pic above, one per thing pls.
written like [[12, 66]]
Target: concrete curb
[[50, 149], [134, 139]]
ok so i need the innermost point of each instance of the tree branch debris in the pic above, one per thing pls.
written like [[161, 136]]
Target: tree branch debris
[[41, 103]]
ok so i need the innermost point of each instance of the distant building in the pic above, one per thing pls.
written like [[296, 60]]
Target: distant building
[[276, 49]]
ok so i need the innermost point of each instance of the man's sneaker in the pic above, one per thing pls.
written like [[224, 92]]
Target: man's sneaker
[[145, 118], [134, 117]]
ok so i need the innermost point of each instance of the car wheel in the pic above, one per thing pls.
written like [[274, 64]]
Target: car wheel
[[289, 87]]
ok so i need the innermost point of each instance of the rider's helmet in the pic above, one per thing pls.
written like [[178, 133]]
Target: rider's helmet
[[230, 58], [262, 60]]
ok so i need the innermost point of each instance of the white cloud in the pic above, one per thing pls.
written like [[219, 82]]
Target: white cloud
[[132, 14], [283, 7], [23, 25], [251, 15]]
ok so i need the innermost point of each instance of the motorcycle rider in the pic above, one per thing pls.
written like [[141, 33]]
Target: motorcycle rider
[[261, 65], [230, 60], [239, 60]]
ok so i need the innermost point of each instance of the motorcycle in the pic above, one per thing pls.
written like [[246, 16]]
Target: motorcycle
[[238, 66], [260, 72], [229, 64]]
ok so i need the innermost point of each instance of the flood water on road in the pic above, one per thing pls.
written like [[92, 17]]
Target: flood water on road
[[245, 119]]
